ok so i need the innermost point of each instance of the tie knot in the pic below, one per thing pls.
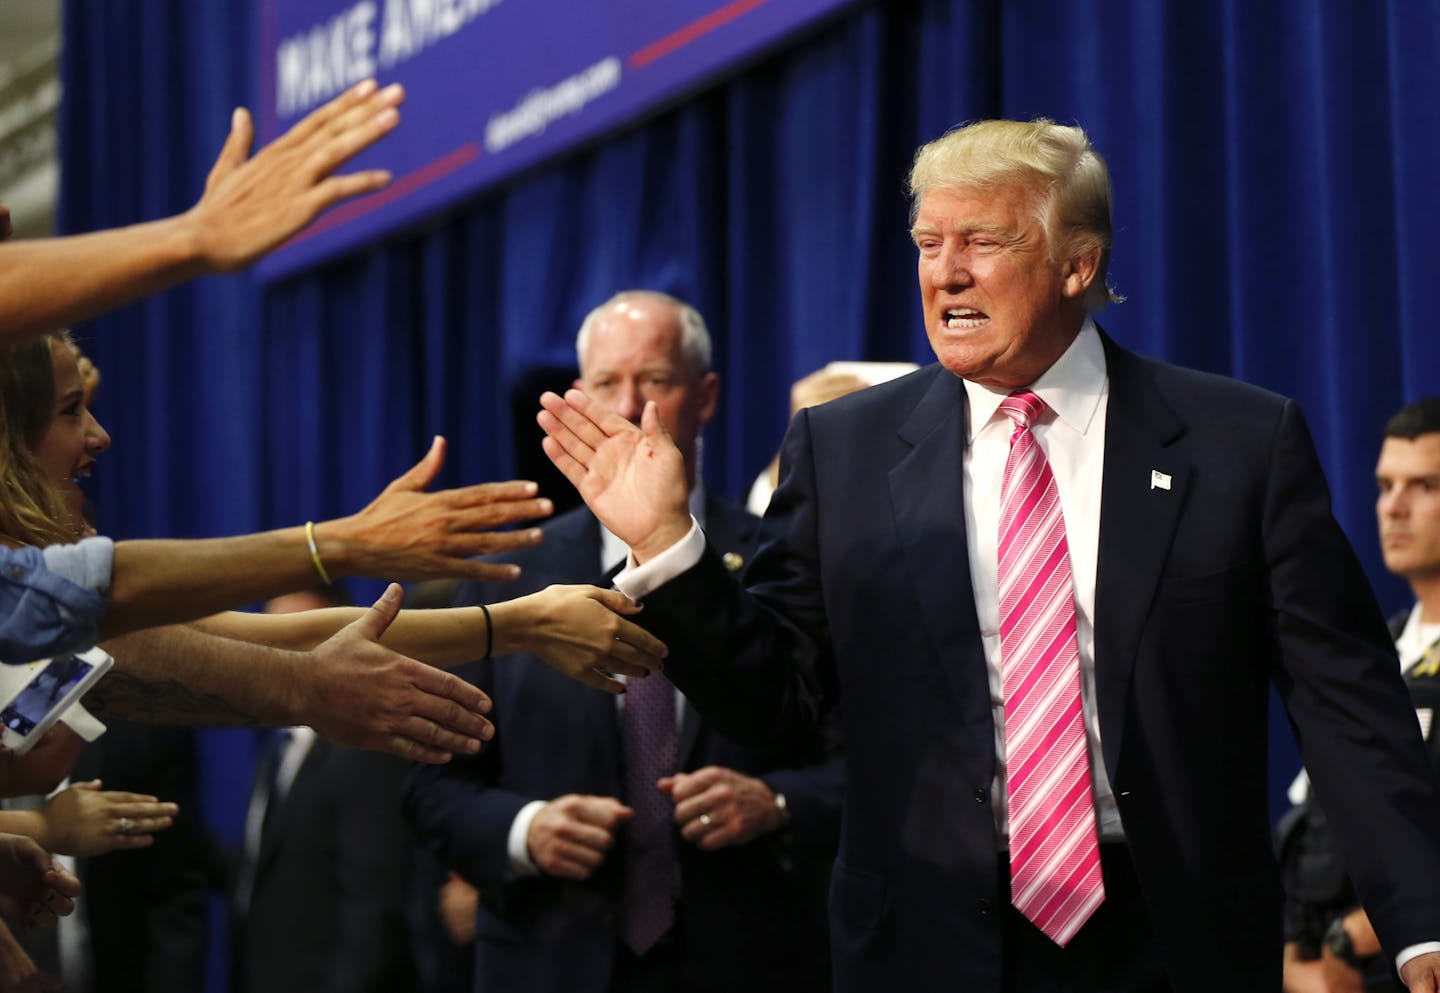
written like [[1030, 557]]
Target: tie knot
[[1022, 407]]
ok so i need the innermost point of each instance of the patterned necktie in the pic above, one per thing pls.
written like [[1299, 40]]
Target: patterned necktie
[[1055, 878], [648, 733]]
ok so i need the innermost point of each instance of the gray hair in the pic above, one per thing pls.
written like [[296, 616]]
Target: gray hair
[[1058, 162], [694, 336]]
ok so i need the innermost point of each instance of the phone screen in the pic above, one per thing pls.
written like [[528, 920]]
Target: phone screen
[[42, 693]]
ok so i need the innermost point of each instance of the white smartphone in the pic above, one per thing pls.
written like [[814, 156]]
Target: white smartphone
[[37, 694]]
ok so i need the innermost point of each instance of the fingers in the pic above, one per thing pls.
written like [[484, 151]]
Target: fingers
[[597, 679], [511, 500], [422, 473], [636, 645], [615, 601], [336, 189], [236, 148], [373, 623], [355, 128]]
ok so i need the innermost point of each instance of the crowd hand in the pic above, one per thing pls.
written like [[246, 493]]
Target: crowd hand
[[570, 835], [18, 972], [632, 478], [822, 386], [580, 631], [361, 694], [86, 820], [252, 204], [717, 807], [458, 902], [1422, 973], [406, 533], [34, 891], [43, 767]]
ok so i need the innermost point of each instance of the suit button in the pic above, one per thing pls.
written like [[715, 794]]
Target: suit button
[[980, 796], [985, 907]]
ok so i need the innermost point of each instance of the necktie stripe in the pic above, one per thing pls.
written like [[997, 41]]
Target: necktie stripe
[[1055, 877]]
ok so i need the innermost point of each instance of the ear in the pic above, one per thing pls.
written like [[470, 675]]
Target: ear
[[710, 396], [1081, 269]]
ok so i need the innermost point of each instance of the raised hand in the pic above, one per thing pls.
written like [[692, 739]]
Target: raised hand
[[363, 695], [572, 834], [250, 205], [633, 479], [407, 533]]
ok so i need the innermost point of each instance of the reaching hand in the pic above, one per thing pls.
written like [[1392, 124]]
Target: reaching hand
[[406, 533], [33, 890], [363, 695], [580, 631], [632, 478], [571, 834], [86, 820], [717, 807], [250, 205]]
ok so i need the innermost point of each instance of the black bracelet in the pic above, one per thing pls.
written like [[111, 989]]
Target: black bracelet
[[489, 631]]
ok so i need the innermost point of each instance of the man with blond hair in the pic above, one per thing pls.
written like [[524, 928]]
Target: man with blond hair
[[1050, 580]]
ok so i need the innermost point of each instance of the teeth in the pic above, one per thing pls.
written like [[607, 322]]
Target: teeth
[[964, 317]]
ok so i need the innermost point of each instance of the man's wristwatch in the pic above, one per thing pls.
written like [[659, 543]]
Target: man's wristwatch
[[1337, 939]]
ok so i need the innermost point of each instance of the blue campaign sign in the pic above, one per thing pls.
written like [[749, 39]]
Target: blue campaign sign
[[492, 86]]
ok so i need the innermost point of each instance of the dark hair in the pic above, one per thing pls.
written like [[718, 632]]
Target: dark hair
[[1420, 417]]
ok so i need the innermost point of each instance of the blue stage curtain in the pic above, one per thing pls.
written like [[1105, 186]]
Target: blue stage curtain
[[1275, 213]]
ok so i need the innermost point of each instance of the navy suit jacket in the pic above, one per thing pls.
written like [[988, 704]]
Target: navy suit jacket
[[753, 915], [327, 912], [1234, 577]]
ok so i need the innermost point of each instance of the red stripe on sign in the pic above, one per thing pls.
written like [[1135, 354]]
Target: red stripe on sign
[[422, 177], [690, 32]]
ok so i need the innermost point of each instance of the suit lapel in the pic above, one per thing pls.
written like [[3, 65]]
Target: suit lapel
[[1138, 515], [926, 489]]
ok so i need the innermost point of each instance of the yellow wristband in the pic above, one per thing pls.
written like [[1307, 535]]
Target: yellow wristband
[[315, 551]]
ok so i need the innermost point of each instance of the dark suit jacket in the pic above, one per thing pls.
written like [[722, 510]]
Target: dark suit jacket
[[1235, 576], [753, 915], [327, 910]]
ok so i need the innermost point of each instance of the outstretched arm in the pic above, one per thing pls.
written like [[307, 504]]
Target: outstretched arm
[[405, 533], [350, 689], [250, 205], [580, 630]]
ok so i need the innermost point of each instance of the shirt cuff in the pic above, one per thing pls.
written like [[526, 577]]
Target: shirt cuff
[[86, 563], [518, 843], [1415, 950], [639, 581]]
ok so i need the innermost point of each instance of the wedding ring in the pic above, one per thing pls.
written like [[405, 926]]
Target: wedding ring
[[706, 820], [126, 825]]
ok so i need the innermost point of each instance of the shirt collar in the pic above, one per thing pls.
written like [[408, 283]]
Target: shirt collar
[[1072, 387]]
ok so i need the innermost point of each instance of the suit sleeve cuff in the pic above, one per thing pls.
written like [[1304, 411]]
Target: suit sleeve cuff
[[1415, 950], [521, 864], [639, 581]]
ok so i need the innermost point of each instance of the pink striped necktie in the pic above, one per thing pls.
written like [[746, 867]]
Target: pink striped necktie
[[1055, 878]]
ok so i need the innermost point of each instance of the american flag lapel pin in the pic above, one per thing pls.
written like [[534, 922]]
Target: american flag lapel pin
[[1159, 480]]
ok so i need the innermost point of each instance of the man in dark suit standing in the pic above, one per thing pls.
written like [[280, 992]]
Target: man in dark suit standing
[[632, 847], [1050, 580], [1330, 942], [321, 896]]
